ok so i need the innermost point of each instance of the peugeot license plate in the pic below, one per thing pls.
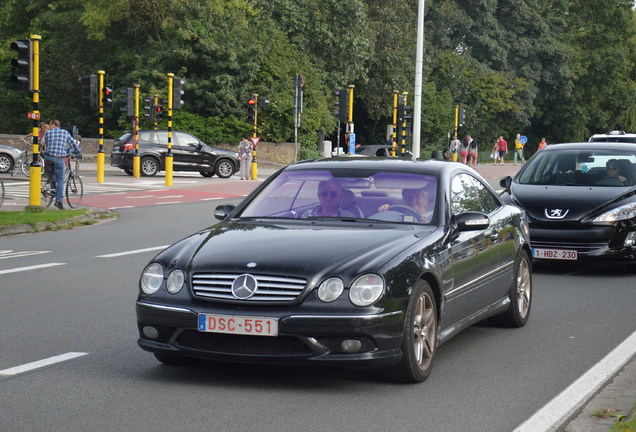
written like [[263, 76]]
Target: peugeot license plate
[[235, 324], [555, 254]]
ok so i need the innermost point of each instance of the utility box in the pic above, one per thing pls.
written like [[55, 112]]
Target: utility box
[[325, 150]]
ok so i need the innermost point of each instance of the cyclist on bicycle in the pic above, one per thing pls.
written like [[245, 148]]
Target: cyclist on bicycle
[[58, 144]]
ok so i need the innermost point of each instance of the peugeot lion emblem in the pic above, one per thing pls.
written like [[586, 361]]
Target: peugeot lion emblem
[[555, 213], [244, 286]]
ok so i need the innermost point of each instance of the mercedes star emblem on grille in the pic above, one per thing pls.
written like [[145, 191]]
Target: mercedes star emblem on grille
[[244, 286]]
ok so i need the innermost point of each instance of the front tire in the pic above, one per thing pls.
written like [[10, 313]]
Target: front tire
[[520, 295], [6, 163], [74, 191], [224, 168], [419, 341]]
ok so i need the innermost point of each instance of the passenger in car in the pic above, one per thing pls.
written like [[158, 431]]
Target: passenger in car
[[329, 196], [416, 199]]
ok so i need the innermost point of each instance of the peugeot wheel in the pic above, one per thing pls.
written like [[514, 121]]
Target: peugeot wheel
[[419, 340]]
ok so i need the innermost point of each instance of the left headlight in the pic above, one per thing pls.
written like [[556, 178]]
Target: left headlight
[[175, 282], [366, 289], [152, 278], [624, 212]]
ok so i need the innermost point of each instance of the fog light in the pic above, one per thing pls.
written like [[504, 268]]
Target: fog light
[[630, 240], [350, 345], [150, 332]]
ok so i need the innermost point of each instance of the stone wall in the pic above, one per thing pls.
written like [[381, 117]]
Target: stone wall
[[277, 153]]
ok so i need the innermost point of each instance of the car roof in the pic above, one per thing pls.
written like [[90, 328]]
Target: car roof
[[588, 145]]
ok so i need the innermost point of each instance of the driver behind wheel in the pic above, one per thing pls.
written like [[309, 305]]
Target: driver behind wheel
[[416, 200]]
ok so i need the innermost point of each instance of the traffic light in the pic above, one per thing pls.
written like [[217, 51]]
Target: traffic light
[[401, 110], [150, 112], [23, 64], [177, 93], [462, 116], [262, 102], [89, 90], [107, 97], [341, 105], [129, 102], [158, 113], [251, 111]]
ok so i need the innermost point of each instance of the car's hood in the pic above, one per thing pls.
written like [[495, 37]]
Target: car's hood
[[300, 249], [563, 203]]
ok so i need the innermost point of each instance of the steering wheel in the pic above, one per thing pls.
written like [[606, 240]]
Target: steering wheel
[[609, 181], [406, 210]]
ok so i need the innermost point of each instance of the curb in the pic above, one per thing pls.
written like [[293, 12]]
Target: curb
[[91, 217]]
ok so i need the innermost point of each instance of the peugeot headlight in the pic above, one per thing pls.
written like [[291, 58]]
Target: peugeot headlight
[[366, 289], [151, 278], [176, 278], [330, 289], [624, 212]]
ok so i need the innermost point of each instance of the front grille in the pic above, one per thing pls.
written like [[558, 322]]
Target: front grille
[[243, 344], [583, 246], [218, 286]]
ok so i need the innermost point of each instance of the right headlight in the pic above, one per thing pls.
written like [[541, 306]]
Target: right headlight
[[152, 278], [624, 212], [366, 289]]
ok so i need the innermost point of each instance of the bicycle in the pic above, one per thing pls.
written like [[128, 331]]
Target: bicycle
[[74, 189], [24, 162]]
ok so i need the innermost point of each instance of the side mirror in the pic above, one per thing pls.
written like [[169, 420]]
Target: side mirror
[[472, 221], [222, 211], [506, 182]]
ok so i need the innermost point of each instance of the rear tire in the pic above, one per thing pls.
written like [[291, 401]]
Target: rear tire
[[48, 190], [6, 163], [149, 167], [520, 295], [419, 340]]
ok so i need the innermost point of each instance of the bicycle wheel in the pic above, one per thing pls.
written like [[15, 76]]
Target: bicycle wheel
[[47, 190], [16, 166], [1, 192], [74, 190]]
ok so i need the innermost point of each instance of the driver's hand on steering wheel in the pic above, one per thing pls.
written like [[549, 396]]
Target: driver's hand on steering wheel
[[384, 207]]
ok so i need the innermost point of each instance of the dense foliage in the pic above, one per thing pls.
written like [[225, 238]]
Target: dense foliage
[[562, 69]]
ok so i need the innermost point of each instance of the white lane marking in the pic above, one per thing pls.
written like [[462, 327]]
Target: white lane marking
[[132, 252], [170, 202], [172, 196], [10, 254], [34, 267], [122, 207], [140, 196], [210, 199], [552, 416], [41, 363]]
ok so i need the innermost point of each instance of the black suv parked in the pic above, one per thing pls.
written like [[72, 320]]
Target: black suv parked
[[189, 154]]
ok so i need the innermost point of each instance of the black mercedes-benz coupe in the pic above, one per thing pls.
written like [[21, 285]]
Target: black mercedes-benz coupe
[[581, 201], [347, 261]]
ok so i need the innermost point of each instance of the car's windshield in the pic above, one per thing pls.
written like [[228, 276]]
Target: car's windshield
[[380, 195], [607, 168]]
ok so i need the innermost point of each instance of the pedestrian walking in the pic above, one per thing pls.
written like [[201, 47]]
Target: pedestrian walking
[[519, 150], [501, 148], [464, 150], [473, 151], [245, 150], [542, 144], [454, 147]]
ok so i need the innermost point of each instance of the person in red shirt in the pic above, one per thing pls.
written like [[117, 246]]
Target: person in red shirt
[[502, 147], [542, 144]]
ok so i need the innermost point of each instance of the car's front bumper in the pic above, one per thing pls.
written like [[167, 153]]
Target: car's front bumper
[[302, 338]]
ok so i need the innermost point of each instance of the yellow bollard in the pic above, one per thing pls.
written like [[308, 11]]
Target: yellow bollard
[[136, 167], [35, 185], [169, 170]]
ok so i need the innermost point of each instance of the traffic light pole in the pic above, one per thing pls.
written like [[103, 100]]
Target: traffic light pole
[[394, 132], [100, 152], [254, 167], [136, 173], [35, 169], [169, 156]]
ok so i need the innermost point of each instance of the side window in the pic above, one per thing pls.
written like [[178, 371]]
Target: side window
[[184, 140], [162, 138], [469, 194], [148, 137]]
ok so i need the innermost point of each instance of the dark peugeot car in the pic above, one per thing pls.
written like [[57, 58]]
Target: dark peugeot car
[[330, 262], [189, 154], [581, 201]]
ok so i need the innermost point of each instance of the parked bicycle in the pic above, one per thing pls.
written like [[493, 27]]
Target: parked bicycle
[[23, 164], [74, 188]]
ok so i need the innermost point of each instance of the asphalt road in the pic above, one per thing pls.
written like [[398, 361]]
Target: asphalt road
[[82, 302]]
